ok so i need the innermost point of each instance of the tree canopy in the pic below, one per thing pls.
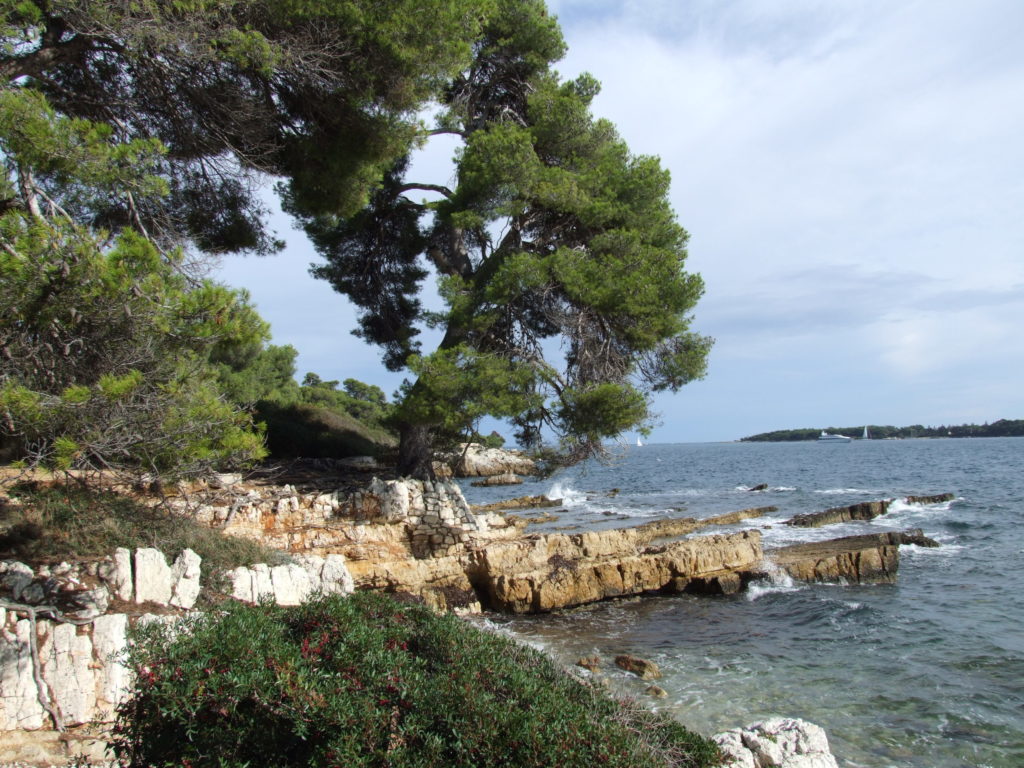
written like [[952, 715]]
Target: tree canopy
[[556, 251], [323, 93]]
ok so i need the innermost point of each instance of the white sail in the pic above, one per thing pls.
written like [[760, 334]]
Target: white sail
[[865, 436]]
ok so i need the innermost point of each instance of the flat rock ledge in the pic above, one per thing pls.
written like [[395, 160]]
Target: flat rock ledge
[[776, 743]]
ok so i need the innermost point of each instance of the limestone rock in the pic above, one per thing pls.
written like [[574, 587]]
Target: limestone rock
[[853, 559], [475, 460], [15, 578], [533, 574], [19, 698], [867, 510], [153, 580], [291, 584], [776, 743], [647, 670], [109, 639], [589, 662], [185, 576], [116, 573], [520, 502], [916, 536], [935, 499], [656, 691], [506, 478], [680, 526]]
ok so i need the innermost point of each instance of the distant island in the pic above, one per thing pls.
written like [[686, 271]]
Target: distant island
[[1001, 428]]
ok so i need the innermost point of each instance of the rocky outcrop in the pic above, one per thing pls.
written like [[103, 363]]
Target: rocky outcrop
[[936, 499], [680, 526], [777, 742], [292, 583], [867, 510], [521, 502], [537, 573], [916, 537], [853, 559], [474, 460], [506, 478]]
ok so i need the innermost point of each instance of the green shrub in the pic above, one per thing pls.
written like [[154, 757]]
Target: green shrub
[[367, 681]]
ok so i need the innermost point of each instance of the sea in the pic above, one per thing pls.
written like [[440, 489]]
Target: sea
[[924, 673]]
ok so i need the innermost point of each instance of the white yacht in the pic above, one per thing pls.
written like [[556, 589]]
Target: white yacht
[[827, 437]]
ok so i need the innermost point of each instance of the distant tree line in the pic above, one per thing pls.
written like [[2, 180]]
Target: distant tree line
[[1000, 428]]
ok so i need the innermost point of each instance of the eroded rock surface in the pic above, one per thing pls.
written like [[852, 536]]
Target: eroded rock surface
[[777, 743], [852, 559]]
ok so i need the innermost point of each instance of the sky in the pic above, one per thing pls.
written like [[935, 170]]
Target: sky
[[851, 173]]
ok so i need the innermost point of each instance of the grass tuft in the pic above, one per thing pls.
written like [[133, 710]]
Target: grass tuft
[[51, 523]]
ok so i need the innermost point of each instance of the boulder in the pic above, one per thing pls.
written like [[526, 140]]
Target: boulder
[[153, 578], [474, 460], [777, 742], [759, 487], [645, 669], [656, 691], [185, 575]]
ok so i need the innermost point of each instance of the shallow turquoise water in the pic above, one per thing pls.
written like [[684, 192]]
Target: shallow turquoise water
[[926, 672]]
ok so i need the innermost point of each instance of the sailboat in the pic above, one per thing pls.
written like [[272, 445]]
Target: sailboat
[[865, 435], [638, 443]]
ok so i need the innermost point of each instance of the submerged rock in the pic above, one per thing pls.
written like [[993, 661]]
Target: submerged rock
[[647, 670]]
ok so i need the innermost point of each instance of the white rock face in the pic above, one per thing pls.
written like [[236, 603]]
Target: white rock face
[[475, 460], [185, 579], [19, 700], [67, 657], [121, 574], [153, 582], [776, 743], [109, 640], [292, 583]]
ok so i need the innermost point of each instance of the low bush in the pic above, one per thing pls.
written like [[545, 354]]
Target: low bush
[[367, 681]]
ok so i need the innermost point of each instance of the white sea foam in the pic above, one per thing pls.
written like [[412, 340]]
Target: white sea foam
[[778, 581], [569, 495], [837, 491]]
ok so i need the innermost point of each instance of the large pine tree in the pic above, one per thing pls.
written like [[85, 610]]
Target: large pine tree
[[557, 252]]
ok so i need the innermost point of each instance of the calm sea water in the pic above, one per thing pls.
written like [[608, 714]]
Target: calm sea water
[[926, 673]]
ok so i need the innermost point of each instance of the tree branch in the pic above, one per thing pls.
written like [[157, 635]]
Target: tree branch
[[426, 188]]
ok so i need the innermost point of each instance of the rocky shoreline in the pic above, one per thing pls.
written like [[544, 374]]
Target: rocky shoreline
[[60, 627]]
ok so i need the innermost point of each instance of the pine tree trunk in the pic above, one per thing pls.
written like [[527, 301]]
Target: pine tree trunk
[[415, 452]]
